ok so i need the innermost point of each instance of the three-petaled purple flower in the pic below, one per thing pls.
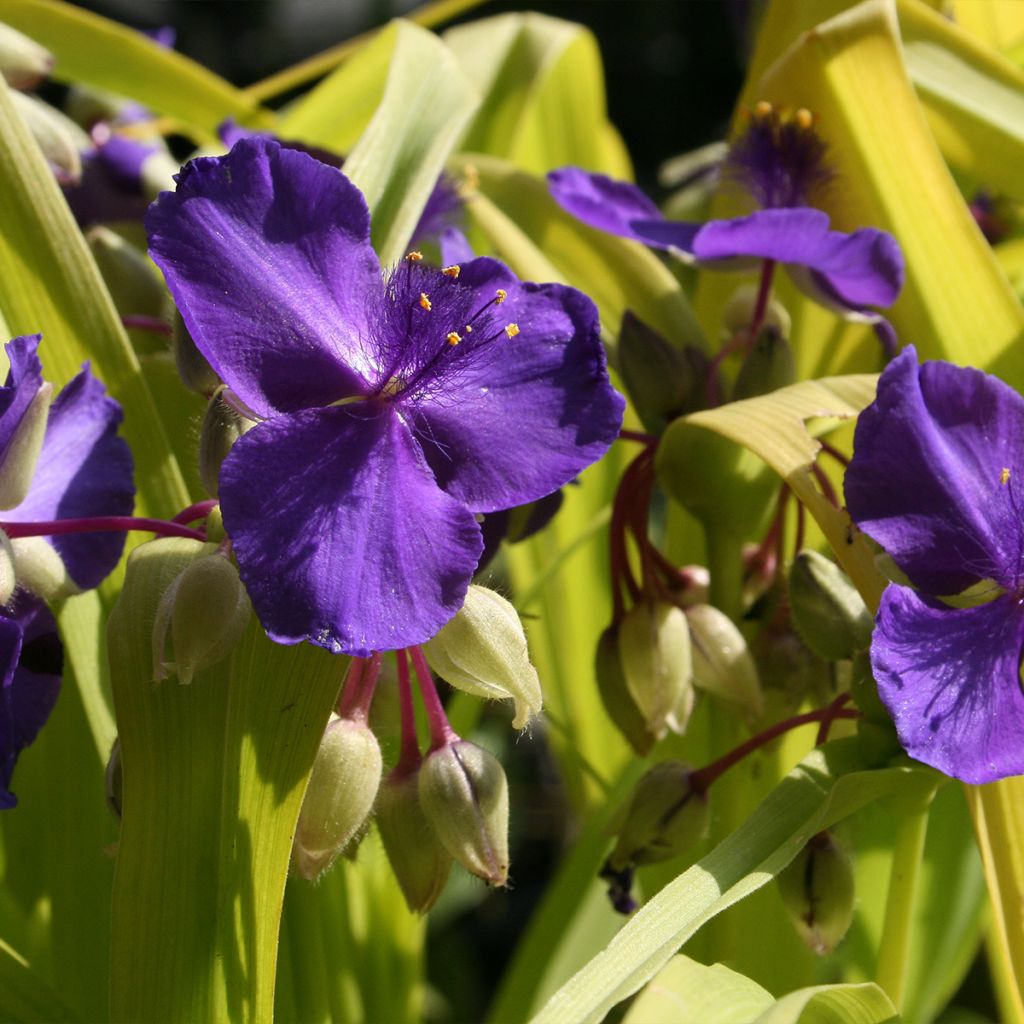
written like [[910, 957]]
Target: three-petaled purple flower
[[393, 408], [780, 161], [937, 479], [57, 461]]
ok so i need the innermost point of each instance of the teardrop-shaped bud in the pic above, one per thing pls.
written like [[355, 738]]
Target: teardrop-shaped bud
[[828, 612], [769, 365], [222, 426], [739, 312], [23, 62], [129, 275], [21, 453], [817, 888], [40, 570], [615, 695], [193, 369], [464, 795], [654, 648], [665, 818], [722, 663], [483, 651], [60, 139], [342, 788], [418, 857], [8, 578]]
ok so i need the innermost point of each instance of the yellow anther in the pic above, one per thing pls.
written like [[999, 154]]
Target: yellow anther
[[453, 271], [762, 109], [502, 295], [469, 328], [425, 301], [804, 118], [415, 256], [453, 338], [393, 387], [1004, 476], [511, 330]]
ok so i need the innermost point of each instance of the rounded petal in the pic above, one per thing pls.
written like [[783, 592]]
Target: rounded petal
[[267, 254], [84, 470], [950, 678], [509, 419], [927, 478], [601, 202], [343, 537]]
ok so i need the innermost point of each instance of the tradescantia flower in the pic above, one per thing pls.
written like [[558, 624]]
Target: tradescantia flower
[[781, 162], [393, 407], [936, 479]]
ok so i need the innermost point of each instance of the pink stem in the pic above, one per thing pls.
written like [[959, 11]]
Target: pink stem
[[441, 732], [99, 524], [348, 693], [409, 757], [147, 323], [636, 435], [764, 293], [200, 510]]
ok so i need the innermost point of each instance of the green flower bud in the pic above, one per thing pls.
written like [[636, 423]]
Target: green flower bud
[[23, 62], [339, 797], [818, 891], [22, 452], [769, 365], [739, 312], [39, 569], [464, 795], [222, 426], [418, 858], [661, 379], [60, 139], [129, 275], [828, 612], [8, 578], [654, 648], [204, 613], [193, 369], [664, 819], [615, 695], [483, 651], [722, 663]]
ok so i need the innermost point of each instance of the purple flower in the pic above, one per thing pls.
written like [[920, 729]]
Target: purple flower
[[393, 408], [936, 479], [81, 469], [780, 162], [31, 662]]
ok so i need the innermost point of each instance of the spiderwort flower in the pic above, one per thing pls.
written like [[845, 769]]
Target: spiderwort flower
[[781, 162], [392, 408], [936, 479]]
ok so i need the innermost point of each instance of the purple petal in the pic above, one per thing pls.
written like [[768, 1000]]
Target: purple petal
[[267, 254], [442, 210], [24, 379], [31, 662], [677, 235], [342, 535], [507, 420], [455, 247], [926, 479], [602, 202], [950, 678], [84, 470]]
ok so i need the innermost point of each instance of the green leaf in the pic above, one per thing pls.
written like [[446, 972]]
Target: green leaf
[[826, 787], [396, 162], [543, 94], [687, 992], [832, 1004], [214, 775], [99, 52], [24, 996]]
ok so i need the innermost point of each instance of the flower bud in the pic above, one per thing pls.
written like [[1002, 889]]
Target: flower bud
[[615, 695], [722, 663], [464, 795], [40, 570], [60, 139], [204, 613], [20, 454], [483, 651], [665, 818], [128, 274], [654, 648], [222, 426], [342, 788], [828, 612], [739, 312], [7, 574], [818, 891], [195, 372], [660, 378], [418, 858], [769, 365], [23, 62]]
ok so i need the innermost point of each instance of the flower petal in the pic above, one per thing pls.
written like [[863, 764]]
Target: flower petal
[[508, 420], [926, 479], [84, 470], [342, 535], [950, 678], [267, 254], [24, 402], [601, 202]]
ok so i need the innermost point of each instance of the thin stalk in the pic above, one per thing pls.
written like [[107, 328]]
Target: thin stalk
[[441, 732], [99, 524], [200, 510], [764, 294], [409, 757]]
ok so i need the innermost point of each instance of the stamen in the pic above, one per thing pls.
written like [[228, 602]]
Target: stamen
[[453, 338], [453, 271], [804, 118], [502, 295], [394, 386], [511, 330], [1004, 476], [425, 302], [415, 256], [468, 328], [763, 109]]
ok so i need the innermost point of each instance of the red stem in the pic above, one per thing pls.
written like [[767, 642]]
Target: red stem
[[348, 691], [147, 323], [409, 757], [441, 732], [826, 723], [99, 524], [200, 510], [636, 435], [834, 452], [764, 294]]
